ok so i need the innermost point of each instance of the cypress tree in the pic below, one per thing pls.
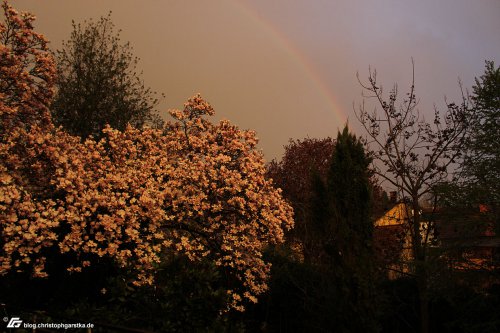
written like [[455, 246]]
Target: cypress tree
[[341, 212]]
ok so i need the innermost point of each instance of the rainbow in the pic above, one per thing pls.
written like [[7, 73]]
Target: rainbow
[[298, 57]]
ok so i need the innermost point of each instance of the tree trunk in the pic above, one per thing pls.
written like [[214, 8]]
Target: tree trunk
[[420, 267], [424, 301]]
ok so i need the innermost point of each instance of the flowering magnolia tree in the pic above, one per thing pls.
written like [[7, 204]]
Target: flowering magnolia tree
[[27, 72], [193, 188]]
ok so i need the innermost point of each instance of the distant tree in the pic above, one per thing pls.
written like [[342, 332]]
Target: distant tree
[[98, 83], [330, 289], [471, 202], [294, 175], [481, 167], [349, 184], [482, 162], [302, 171], [413, 155]]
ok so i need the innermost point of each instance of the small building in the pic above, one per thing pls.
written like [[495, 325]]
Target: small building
[[465, 240]]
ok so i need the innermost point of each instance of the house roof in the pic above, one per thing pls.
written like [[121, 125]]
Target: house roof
[[395, 216]]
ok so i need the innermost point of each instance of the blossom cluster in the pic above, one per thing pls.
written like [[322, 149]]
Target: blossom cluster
[[193, 187]]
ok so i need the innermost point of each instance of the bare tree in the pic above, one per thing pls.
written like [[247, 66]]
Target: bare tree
[[413, 155]]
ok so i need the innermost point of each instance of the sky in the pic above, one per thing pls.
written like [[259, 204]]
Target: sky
[[287, 68]]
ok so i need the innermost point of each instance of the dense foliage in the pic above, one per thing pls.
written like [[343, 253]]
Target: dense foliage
[[481, 166], [343, 216], [324, 282], [293, 174]]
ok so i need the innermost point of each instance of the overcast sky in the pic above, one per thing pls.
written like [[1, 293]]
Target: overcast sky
[[287, 68]]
